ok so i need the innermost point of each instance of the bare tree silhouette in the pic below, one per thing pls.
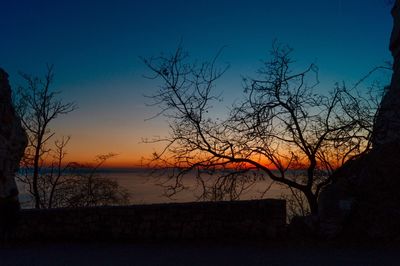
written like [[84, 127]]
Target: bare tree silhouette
[[70, 184], [38, 105], [50, 180], [282, 129]]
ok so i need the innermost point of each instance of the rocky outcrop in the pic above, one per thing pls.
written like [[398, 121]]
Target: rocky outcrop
[[364, 199], [13, 141], [387, 124]]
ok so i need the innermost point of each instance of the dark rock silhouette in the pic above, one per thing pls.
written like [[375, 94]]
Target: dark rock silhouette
[[387, 124], [13, 141], [364, 198]]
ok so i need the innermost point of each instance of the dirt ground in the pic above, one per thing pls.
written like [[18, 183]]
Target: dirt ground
[[193, 254]]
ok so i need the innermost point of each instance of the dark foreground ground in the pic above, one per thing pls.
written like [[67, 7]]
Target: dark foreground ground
[[194, 254]]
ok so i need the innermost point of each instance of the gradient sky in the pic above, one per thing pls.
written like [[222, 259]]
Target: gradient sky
[[95, 47]]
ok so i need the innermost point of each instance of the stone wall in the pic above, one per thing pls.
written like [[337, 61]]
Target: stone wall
[[256, 219]]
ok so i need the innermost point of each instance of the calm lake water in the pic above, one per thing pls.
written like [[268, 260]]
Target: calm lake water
[[145, 188]]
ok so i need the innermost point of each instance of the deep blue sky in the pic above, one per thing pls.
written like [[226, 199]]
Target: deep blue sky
[[95, 46]]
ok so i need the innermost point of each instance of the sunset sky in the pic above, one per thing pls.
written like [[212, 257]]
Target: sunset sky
[[95, 48]]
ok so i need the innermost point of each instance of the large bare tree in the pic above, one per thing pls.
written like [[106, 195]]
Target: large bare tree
[[283, 128]]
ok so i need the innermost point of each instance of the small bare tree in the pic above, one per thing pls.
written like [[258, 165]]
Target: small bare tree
[[71, 184], [283, 128], [38, 105], [50, 179], [88, 188]]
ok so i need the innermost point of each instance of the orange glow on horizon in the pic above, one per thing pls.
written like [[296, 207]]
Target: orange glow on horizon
[[143, 162], [83, 149]]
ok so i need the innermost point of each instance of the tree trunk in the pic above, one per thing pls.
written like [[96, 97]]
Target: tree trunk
[[35, 177], [312, 202]]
